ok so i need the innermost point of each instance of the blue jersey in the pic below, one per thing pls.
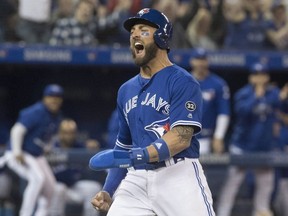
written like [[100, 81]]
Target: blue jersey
[[68, 174], [216, 101], [283, 136], [253, 131], [41, 125], [113, 128], [149, 108]]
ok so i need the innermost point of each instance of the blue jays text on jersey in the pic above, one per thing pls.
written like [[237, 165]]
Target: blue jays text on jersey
[[150, 100], [150, 108]]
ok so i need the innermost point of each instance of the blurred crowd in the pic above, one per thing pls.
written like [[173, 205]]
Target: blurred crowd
[[210, 24]]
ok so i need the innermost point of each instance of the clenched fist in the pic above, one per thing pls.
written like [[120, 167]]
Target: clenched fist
[[101, 201]]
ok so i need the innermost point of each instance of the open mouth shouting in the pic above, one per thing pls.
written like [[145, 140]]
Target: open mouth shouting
[[139, 49]]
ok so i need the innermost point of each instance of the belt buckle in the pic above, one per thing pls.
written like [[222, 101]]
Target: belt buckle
[[176, 160], [154, 166]]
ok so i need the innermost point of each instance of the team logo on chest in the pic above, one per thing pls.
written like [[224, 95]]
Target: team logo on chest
[[208, 95], [159, 128]]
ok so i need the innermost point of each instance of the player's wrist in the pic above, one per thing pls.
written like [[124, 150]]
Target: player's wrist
[[162, 148], [107, 191], [139, 156]]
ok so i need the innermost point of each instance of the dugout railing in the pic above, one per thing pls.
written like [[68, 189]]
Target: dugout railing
[[215, 167]]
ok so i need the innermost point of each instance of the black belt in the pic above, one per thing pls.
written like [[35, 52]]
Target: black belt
[[157, 165]]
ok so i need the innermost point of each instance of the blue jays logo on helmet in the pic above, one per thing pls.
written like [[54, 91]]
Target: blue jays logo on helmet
[[53, 90], [155, 19], [143, 11], [159, 128]]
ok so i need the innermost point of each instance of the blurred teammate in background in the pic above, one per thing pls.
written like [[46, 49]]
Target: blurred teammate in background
[[30, 135], [72, 187], [281, 200], [216, 104], [255, 106]]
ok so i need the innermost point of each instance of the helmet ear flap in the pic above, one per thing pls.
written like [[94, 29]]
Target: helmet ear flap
[[162, 36]]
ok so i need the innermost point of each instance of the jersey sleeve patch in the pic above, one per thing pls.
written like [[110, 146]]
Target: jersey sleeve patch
[[190, 106]]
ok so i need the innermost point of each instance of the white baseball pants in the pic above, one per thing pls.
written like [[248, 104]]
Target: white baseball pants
[[180, 189], [81, 192], [264, 180], [40, 186]]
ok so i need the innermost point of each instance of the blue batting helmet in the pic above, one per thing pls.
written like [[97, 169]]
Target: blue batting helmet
[[200, 53], [258, 68], [156, 19], [53, 90]]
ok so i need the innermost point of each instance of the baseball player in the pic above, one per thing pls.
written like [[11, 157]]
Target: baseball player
[[255, 105], [33, 130], [156, 153], [216, 104]]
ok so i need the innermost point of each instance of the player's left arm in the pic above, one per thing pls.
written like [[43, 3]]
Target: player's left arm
[[185, 119], [177, 140], [170, 144], [222, 124]]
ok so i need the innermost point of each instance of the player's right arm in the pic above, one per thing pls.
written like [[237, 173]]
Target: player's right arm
[[103, 199], [244, 101], [18, 132], [223, 116], [27, 119], [184, 117]]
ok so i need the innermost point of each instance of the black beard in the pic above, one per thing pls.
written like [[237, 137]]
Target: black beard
[[150, 53]]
